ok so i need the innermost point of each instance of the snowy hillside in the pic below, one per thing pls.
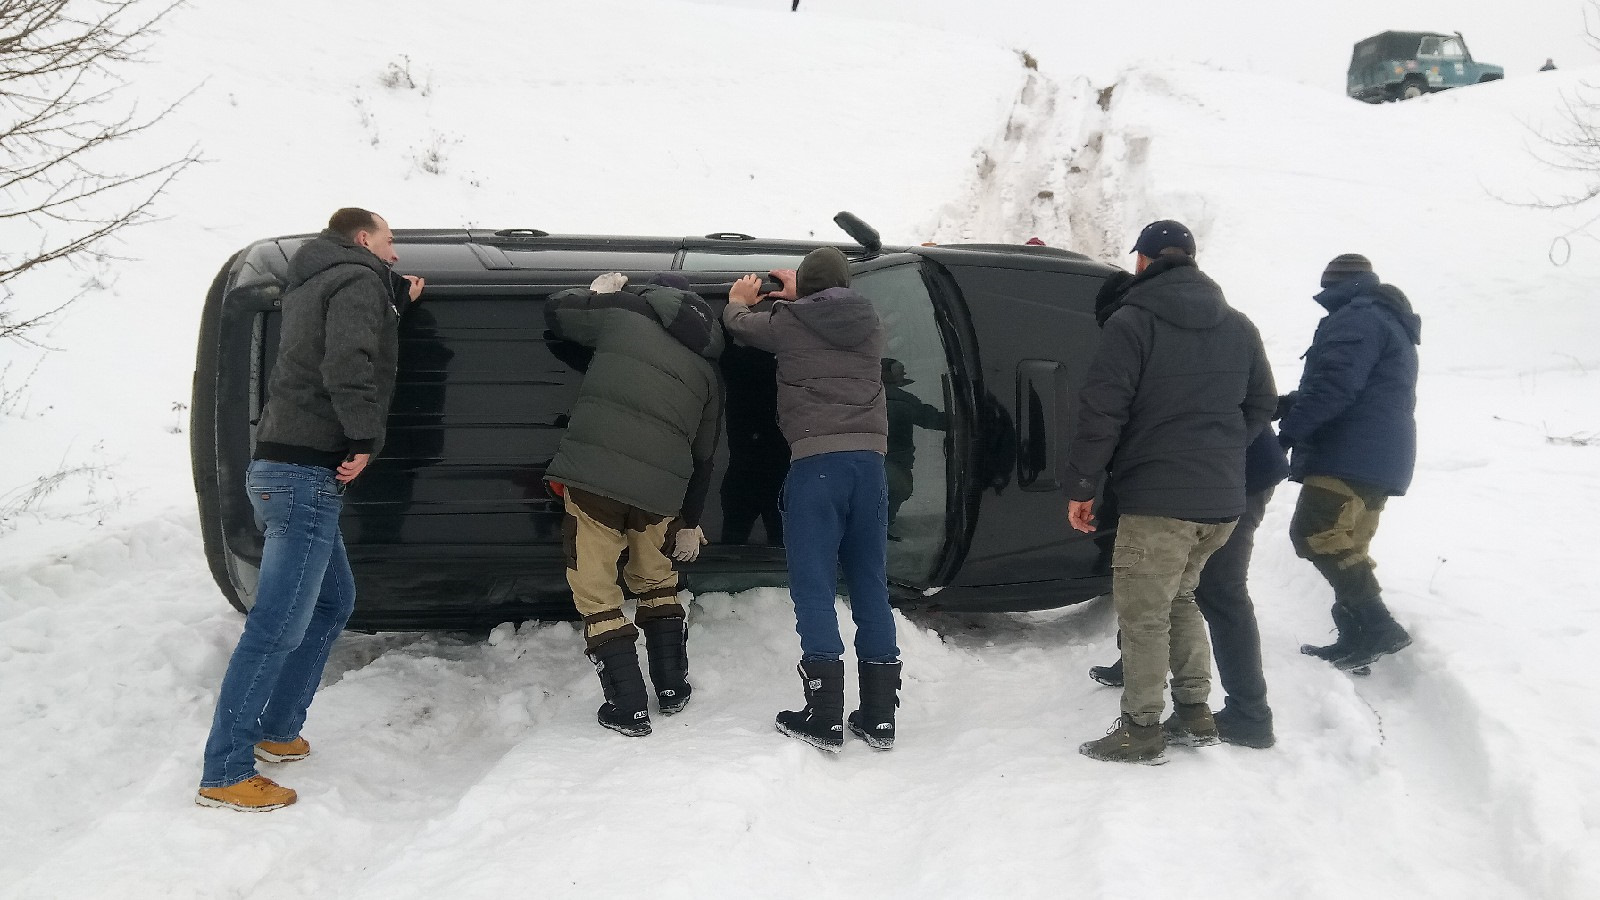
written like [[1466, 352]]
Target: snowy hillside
[[455, 766]]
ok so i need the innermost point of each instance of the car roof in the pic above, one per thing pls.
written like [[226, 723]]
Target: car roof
[[508, 256]]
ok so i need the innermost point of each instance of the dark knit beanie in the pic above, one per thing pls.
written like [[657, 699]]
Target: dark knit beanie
[[671, 280], [823, 268], [1345, 266]]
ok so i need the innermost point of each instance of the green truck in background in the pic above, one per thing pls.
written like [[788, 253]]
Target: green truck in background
[[1400, 65]]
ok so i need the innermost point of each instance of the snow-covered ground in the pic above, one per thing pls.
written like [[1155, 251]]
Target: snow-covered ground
[[448, 766]]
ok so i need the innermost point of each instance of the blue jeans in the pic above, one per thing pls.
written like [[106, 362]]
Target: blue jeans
[[836, 513], [305, 596]]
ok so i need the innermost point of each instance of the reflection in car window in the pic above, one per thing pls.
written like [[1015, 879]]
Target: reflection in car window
[[916, 378]]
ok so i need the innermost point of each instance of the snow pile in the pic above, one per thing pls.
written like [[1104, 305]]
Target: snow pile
[[464, 766]]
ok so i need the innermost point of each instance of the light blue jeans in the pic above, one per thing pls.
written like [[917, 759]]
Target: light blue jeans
[[304, 598]]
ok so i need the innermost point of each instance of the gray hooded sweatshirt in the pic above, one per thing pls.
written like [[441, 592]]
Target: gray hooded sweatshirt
[[829, 347]]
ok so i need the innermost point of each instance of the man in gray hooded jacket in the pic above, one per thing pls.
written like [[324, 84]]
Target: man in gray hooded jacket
[[831, 409], [328, 401]]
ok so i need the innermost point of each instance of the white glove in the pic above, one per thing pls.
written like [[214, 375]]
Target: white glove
[[686, 546], [609, 283]]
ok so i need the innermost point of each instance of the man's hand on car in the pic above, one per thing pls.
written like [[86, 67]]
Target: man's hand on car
[[417, 284], [686, 546], [786, 277], [609, 283], [746, 291], [352, 466]]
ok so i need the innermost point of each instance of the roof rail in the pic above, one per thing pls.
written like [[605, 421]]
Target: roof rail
[[728, 236], [521, 233]]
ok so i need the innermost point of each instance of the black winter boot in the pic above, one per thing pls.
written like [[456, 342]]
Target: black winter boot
[[1344, 620], [1110, 676], [627, 706], [1234, 727], [821, 723], [666, 644], [874, 721], [1379, 635]]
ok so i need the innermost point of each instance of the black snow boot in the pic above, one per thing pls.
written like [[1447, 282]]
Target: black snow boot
[[1234, 727], [627, 706], [874, 721], [1344, 620], [821, 723], [1110, 676], [1379, 635], [666, 644]]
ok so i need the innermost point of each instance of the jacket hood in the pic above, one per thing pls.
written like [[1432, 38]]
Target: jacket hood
[[1366, 288], [1178, 293], [838, 315], [330, 249], [686, 317]]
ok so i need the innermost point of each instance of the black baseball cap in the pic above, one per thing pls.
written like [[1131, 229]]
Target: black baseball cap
[[1161, 235]]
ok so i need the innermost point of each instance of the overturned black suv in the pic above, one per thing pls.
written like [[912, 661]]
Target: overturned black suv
[[452, 526]]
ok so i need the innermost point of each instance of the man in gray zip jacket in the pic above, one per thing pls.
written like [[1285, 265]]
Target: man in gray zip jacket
[[328, 400], [831, 409]]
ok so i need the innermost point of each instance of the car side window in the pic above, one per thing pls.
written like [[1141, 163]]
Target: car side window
[[1452, 47], [1430, 47], [916, 384]]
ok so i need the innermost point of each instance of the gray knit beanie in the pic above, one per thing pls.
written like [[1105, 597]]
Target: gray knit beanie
[[823, 268], [1343, 267]]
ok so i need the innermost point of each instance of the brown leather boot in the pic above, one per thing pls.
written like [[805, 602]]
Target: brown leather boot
[[283, 751], [254, 794]]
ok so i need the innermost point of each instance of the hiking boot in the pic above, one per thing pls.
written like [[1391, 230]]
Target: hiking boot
[[1126, 742], [1344, 620], [254, 794], [666, 643], [1190, 725], [874, 721], [1379, 635], [283, 751], [1110, 676], [1233, 727], [627, 707], [821, 723]]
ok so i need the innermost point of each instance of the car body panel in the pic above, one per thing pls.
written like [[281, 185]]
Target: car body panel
[[452, 525]]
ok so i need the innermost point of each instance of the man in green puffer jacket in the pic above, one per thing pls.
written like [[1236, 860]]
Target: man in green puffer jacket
[[633, 469]]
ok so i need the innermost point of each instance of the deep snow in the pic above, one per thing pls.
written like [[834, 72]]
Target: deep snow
[[465, 767]]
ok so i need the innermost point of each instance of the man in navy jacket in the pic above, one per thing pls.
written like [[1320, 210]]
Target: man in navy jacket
[[1352, 433]]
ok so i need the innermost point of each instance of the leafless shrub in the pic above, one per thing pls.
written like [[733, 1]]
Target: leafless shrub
[[28, 500], [398, 75]]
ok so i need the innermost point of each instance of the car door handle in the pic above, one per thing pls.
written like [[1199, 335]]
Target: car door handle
[[1037, 440]]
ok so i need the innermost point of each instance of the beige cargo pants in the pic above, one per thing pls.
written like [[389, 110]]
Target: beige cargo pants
[[595, 532]]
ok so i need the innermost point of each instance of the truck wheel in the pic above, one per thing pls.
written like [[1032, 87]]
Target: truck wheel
[[1411, 90]]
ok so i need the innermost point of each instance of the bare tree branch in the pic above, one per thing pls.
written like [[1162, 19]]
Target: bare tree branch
[[60, 106]]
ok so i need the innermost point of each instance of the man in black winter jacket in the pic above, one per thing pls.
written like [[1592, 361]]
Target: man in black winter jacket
[[1178, 388], [328, 401]]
